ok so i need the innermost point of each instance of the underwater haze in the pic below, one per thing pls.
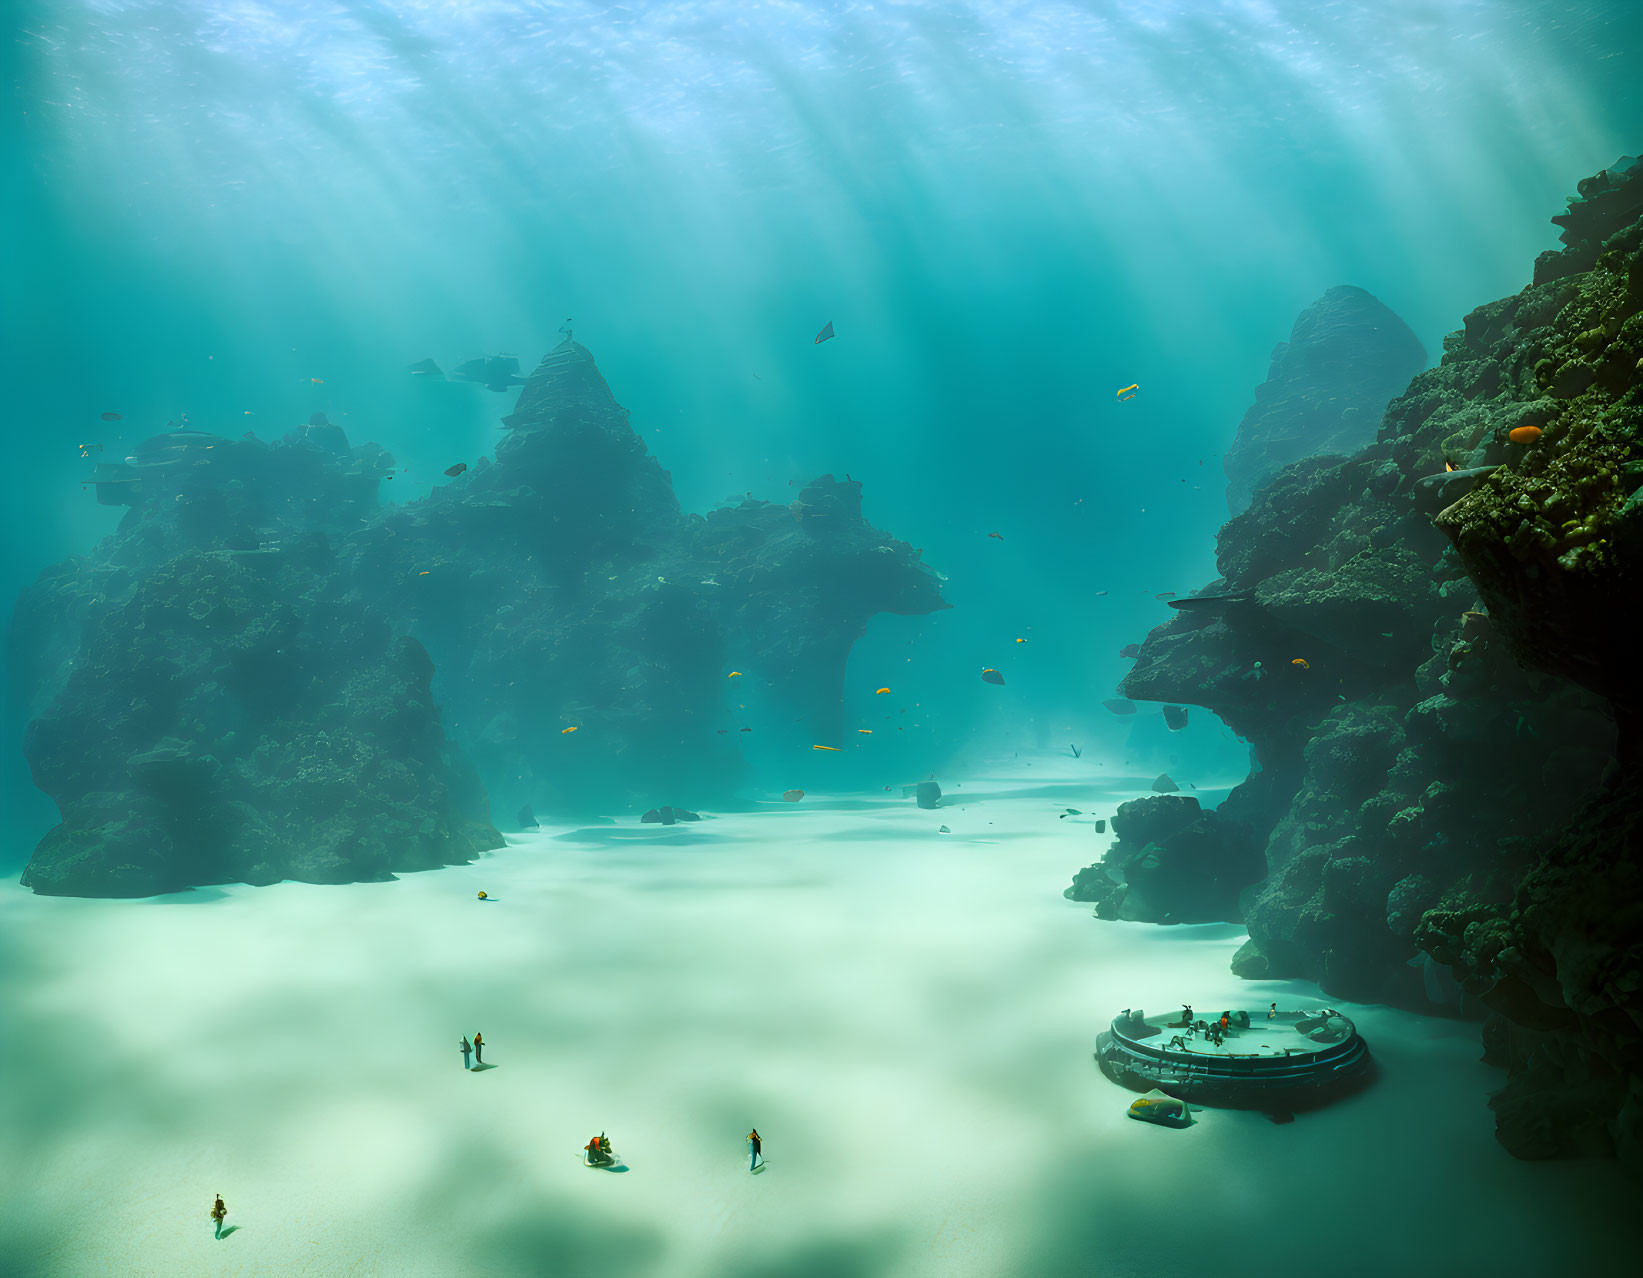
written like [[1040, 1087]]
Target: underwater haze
[[1008, 212], [1059, 247]]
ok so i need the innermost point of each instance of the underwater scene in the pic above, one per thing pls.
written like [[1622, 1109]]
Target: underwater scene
[[822, 639]]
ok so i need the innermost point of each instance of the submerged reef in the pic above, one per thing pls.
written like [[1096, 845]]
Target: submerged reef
[[1325, 390], [1426, 646], [244, 682]]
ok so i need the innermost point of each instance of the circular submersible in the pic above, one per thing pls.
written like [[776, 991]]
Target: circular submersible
[[1261, 1060]]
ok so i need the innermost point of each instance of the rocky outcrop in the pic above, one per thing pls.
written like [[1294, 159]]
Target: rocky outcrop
[[1172, 863], [1426, 645], [1325, 390], [241, 683]]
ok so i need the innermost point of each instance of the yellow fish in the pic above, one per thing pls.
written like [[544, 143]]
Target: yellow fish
[[734, 674], [566, 731], [423, 573], [865, 731], [881, 692], [1301, 662], [1129, 392], [835, 749]]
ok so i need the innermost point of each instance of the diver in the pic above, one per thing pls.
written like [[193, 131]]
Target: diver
[[467, 1052], [218, 1212], [598, 1150], [755, 1144], [1186, 1016], [1272, 1012]]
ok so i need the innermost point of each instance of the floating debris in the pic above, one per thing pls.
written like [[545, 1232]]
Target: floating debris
[[1175, 718], [1119, 705], [825, 334], [1523, 434], [1129, 392], [792, 796], [454, 471], [112, 417], [1077, 753], [989, 675]]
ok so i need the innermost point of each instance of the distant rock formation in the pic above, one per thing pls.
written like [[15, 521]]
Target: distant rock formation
[[1427, 646], [1326, 389], [239, 685]]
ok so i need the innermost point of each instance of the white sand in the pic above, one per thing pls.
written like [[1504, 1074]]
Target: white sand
[[907, 1017]]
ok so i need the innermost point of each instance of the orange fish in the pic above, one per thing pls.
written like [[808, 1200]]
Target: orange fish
[[1129, 392], [792, 796], [881, 692], [1523, 434], [1301, 662], [567, 731], [318, 381], [835, 749]]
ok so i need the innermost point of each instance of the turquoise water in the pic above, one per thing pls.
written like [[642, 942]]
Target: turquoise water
[[1007, 210]]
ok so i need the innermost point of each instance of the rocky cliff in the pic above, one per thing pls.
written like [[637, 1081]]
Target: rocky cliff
[[240, 684], [1324, 393], [1428, 646]]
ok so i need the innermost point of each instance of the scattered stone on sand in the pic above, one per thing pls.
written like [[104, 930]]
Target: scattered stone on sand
[[527, 819], [944, 830], [1101, 825], [1175, 718], [929, 794], [1164, 785]]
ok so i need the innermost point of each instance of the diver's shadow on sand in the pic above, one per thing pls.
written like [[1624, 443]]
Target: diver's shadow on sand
[[228, 1230], [480, 1066]]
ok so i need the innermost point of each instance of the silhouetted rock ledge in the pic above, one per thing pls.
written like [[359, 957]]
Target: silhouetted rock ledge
[[1428, 645], [240, 684]]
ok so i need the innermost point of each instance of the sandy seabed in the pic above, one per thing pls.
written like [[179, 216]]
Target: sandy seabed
[[907, 1017]]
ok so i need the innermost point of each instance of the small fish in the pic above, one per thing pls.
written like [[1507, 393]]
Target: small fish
[[1000, 536], [834, 749], [722, 731], [565, 732], [825, 334], [1523, 434], [792, 796], [1301, 662], [112, 417], [865, 731], [454, 471], [423, 573], [1021, 641], [317, 381], [989, 675], [881, 692], [1099, 593], [744, 729], [1129, 392], [734, 674], [1448, 465]]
